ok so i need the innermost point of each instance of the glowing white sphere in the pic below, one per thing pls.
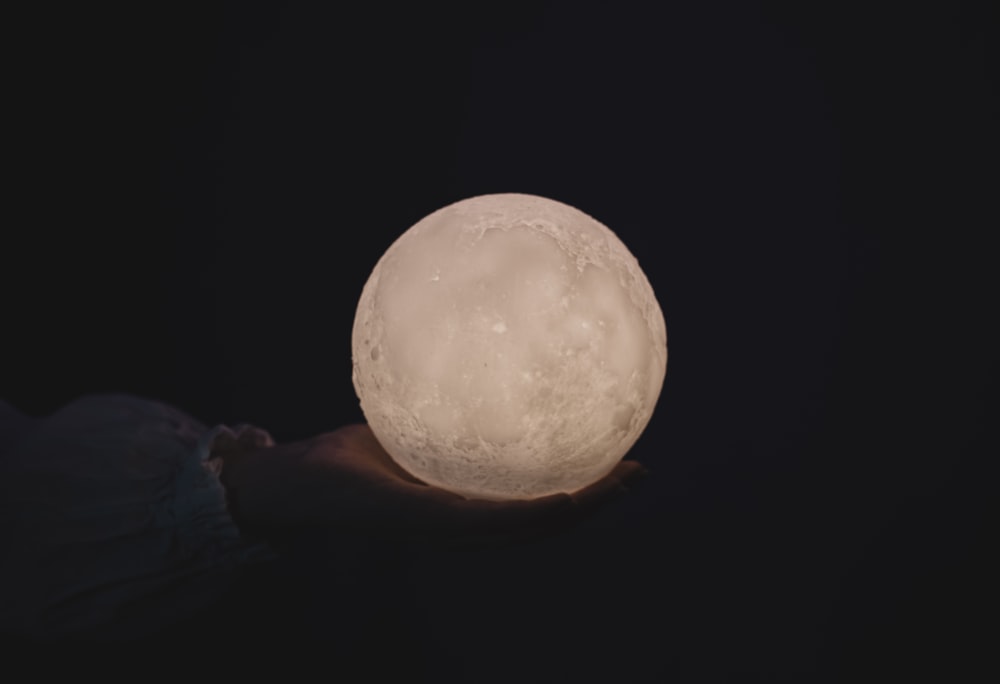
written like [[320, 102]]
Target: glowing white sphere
[[508, 347]]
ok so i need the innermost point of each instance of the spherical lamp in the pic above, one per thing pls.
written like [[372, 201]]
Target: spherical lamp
[[508, 346]]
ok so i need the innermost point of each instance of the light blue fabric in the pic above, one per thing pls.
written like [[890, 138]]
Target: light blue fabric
[[112, 517]]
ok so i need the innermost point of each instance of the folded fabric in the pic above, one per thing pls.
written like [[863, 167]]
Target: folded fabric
[[113, 520]]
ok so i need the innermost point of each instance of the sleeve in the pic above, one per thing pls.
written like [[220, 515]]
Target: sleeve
[[114, 520]]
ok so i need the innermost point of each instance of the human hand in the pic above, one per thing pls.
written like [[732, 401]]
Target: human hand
[[345, 479]]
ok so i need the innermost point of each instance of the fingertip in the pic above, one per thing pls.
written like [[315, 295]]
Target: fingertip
[[514, 514], [630, 472], [617, 491], [557, 501]]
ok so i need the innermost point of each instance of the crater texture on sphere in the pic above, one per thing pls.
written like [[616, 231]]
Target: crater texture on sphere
[[508, 346]]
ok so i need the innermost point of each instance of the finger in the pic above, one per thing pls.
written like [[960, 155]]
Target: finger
[[491, 516], [441, 510], [432, 509], [567, 515], [630, 473], [610, 487]]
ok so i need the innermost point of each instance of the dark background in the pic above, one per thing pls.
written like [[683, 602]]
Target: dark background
[[199, 194]]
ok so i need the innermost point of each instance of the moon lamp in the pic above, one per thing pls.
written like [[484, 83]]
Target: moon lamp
[[508, 346]]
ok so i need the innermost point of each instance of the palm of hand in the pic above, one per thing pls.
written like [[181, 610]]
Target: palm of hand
[[346, 479]]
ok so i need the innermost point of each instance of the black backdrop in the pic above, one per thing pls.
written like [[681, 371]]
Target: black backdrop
[[199, 194]]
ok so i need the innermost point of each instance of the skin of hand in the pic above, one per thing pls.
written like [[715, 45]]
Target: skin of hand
[[345, 479]]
